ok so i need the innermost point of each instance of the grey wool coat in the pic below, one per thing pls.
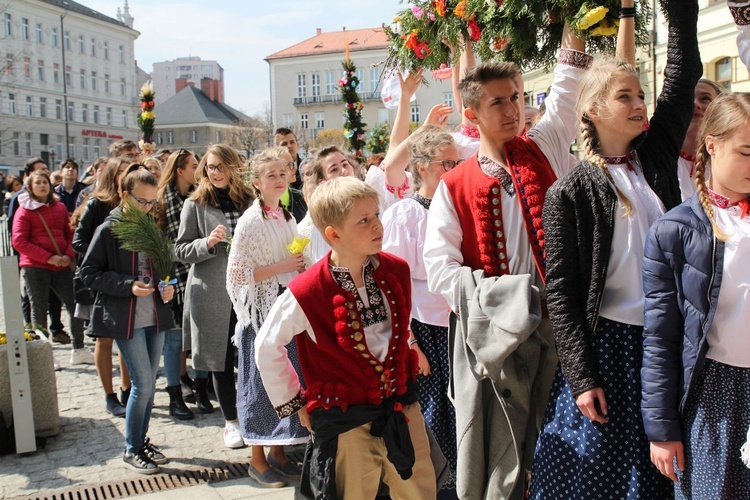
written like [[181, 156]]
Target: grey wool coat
[[502, 366], [207, 309]]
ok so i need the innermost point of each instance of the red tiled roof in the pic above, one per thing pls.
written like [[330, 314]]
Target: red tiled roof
[[336, 41]]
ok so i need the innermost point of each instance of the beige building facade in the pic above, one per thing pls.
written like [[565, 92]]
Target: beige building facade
[[304, 82], [68, 84]]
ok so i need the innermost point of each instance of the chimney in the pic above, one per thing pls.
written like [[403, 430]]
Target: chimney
[[318, 31], [343, 28]]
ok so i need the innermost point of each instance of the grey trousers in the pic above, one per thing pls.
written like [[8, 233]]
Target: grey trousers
[[39, 282]]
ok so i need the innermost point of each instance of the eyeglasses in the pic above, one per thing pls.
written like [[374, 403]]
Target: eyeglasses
[[448, 164], [215, 168], [145, 203]]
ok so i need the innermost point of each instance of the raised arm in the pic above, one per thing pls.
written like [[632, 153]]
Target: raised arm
[[397, 158], [558, 128], [740, 10], [626, 33]]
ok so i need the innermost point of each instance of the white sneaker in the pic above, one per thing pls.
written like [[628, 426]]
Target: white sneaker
[[81, 357], [233, 436]]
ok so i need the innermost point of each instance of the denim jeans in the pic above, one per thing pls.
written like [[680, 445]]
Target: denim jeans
[[172, 356], [142, 354], [40, 283]]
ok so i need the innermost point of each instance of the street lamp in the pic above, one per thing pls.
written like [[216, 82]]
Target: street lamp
[[52, 156], [65, 80]]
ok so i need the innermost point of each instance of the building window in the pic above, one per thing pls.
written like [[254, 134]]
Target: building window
[[415, 114], [360, 73], [289, 121], [109, 116], [27, 144], [320, 119], [81, 45], [159, 139], [374, 79], [315, 84], [97, 148], [82, 79], [382, 116], [24, 28], [43, 140], [92, 45], [59, 146], [16, 144], [124, 119], [106, 50], [66, 40], [26, 67], [54, 37], [72, 148], [85, 150], [330, 83], [85, 113], [193, 136], [40, 70], [43, 107], [7, 21], [122, 86], [122, 53], [93, 81], [170, 137], [38, 32], [303, 121], [106, 84], [71, 111], [95, 115], [29, 106], [12, 104], [58, 109], [301, 86], [67, 76], [448, 99], [55, 72], [724, 72]]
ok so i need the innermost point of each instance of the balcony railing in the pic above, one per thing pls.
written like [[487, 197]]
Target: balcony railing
[[332, 98]]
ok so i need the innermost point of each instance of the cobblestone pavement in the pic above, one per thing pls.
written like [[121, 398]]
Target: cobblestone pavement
[[90, 444]]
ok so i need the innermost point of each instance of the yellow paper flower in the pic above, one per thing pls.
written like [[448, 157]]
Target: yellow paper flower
[[460, 9], [606, 28], [148, 115], [592, 17], [298, 245]]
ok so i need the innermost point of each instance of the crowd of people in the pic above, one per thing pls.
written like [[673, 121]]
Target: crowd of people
[[477, 314]]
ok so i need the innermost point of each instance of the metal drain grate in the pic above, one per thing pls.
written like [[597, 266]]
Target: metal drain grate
[[146, 484]]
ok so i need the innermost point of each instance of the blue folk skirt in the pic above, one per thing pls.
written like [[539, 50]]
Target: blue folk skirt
[[576, 458], [715, 420], [257, 417], [437, 408]]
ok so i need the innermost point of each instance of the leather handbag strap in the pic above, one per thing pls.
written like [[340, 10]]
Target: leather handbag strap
[[46, 227]]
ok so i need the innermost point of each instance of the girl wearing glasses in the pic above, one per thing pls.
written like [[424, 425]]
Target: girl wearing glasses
[[433, 152], [127, 310], [207, 223], [85, 220]]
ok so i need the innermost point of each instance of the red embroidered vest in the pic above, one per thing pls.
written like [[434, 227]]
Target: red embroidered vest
[[476, 198], [338, 367]]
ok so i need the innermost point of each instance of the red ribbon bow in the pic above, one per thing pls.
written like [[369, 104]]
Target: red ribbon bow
[[744, 207]]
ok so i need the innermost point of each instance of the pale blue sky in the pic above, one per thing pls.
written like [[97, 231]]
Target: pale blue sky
[[239, 34]]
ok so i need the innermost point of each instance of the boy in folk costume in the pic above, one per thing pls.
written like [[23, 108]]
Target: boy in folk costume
[[486, 216], [349, 314]]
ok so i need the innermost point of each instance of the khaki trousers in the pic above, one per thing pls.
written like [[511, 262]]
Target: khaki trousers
[[362, 461]]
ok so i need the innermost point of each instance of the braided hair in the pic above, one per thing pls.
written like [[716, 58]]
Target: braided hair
[[725, 115], [595, 88]]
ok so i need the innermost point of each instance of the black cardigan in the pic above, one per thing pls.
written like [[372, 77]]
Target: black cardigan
[[579, 209]]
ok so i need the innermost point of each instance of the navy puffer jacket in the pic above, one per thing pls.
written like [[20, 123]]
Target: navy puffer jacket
[[682, 272]]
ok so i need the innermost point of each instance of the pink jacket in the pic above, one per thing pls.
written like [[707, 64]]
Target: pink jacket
[[32, 241]]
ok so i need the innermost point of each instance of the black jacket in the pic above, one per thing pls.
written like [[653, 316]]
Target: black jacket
[[297, 206], [579, 209], [93, 215], [110, 271]]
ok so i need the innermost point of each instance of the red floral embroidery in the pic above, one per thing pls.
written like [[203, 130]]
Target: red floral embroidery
[[531, 194]]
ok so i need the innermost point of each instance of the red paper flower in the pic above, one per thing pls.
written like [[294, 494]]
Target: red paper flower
[[422, 50], [474, 31], [440, 7]]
